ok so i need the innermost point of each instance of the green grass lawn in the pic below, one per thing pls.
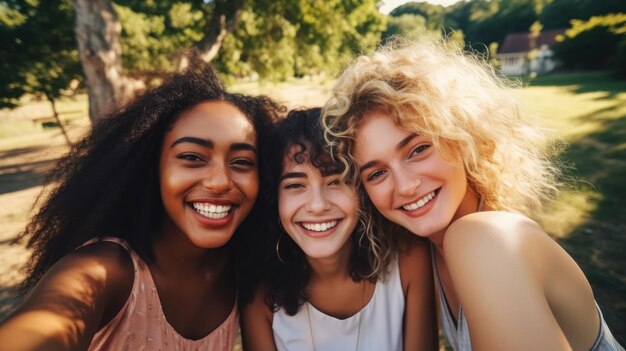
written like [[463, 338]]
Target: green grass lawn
[[588, 219]]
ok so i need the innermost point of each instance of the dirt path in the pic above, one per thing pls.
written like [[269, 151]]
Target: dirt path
[[22, 170]]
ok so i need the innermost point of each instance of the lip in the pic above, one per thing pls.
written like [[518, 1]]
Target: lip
[[213, 222], [319, 235], [422, 210]]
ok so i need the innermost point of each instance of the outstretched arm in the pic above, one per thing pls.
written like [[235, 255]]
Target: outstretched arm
[[256, 324], [69, 304], [420, 324]]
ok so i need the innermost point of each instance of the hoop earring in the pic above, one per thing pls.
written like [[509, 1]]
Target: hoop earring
[[277, 249]]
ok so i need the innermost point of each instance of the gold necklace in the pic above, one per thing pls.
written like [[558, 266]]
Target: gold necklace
[[358, 330]]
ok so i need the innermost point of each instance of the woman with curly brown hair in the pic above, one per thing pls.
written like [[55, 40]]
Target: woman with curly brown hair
[[142, 240], [441, 148], [332, 282]]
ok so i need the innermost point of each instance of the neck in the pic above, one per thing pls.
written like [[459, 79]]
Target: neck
[[469, 204], [174, 253], [333, 267]]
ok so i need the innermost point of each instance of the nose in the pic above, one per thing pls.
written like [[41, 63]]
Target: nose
[[407, 182], [318, 202], [218, 180]]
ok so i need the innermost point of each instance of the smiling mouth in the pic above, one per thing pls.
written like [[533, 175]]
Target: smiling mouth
[[319, 227], [212, 211], [421, 202]]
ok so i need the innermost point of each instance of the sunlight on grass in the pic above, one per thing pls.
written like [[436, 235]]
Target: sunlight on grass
[[587, 111], [571, 209]]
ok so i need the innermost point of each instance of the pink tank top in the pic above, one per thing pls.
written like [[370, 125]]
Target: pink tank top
[[141, 324]]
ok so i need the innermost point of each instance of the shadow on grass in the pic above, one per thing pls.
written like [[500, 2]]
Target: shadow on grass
[[586, 82], [598, 245], [23, 175], [8, 300]]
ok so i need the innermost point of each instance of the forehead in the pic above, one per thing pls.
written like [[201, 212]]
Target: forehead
[[296, 154], [214, 120], [377, 128], [302, 155]]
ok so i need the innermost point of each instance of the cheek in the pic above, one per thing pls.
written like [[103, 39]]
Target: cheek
[[376, 194], [248, 185], [284, 206], [348, 202]]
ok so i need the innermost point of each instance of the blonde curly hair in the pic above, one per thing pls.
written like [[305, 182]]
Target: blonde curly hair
[[430, 87]]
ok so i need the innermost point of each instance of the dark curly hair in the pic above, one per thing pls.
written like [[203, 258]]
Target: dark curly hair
[[286, 282], [108, 183]]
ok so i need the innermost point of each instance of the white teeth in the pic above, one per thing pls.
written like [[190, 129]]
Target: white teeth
[[419, 203], [319, 227], [212, 211]]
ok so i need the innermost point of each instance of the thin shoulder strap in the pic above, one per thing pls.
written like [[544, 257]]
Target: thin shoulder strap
[[111, 239]]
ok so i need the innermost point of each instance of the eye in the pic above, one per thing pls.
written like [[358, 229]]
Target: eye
[[335, 181], [294, 186], [375, 175], [190, 157], [243, 163], [419, 149]]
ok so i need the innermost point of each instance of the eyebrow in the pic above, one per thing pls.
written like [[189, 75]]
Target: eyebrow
[[292, 175], [209, 144], [202, 142], [399, 146], [243, 147]]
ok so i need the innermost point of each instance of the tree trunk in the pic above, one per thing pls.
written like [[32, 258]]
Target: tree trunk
[[225, 19], [98, 35], [56, 117]]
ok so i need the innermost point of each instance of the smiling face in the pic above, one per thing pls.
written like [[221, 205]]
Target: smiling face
[[407, 180], [208, 172], [318, 211]]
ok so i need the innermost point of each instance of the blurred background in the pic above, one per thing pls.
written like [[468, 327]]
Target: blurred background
[[65, 63]]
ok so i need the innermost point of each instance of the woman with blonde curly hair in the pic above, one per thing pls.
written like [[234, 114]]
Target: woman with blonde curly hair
[[442, 149]]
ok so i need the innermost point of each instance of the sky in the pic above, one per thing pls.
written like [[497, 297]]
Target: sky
[[389, 5]]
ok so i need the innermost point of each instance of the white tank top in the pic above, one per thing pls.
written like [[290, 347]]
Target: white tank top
[[378, 325]]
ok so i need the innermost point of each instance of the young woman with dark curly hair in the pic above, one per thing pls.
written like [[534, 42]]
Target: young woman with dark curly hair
[[332, 284], [141, 242]]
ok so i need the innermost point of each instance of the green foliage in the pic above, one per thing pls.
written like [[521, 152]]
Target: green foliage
[[38, 53], [152, 31], [559, 13], [409, 26], [280, 39], [618, 61], [433, 15], [590, 44]]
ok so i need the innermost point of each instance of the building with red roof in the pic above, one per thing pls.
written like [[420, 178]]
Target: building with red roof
[[518, 54]]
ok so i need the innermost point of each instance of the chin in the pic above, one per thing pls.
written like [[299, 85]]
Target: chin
[[211, 242], [320, 253]]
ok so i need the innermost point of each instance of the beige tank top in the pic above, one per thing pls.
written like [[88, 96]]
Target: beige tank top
[[141, 324]]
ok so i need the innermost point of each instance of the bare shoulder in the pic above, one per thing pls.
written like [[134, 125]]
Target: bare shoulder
[[72, 298], [503, 265], [256, 323], [414, 263], [259, 307], [98, 272], [420, 327], [510, 233]]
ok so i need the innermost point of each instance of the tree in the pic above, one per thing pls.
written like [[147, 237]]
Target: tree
[[37, 58], [433, 15], [591, 44], [558, 13], [406, 25], [98, 33], [279, 39]]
